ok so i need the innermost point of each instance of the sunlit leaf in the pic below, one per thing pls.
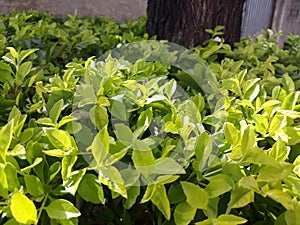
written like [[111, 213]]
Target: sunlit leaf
[[184, 213], [195, 196], [23, 209], [6, 135], [62, 209], [241, 197], [230, 220]]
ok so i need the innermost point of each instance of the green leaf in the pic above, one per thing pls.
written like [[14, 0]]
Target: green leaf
[[143, 161], [90, 189], [290, 101], [23, 70], [143, 122], [292, 216], [60, 139], [279, 151], [111, 177], [195, 196], [100, 146], [241, 75], [130, 176], [124, 134], [72, 221], [132, 195], [232, 84], [203, 149], [270, 173], [111, 66], [140, 145], [11, 176], [293, 135], [12, 222], [232, 135], [62, 209], [280, 220], [6, 76], [36, 162], [99, 116], [65, 120], [184, 213], [34, 185], [252, 92], [166, 179], [72, 182], [281, 197], [25, 53], [249, 183], [230, 220], [240, 197], [261, 123], [56, 110], [67, 164], [277, 122], [205, 222], [6, 135], [150, 190], [199, 102], [55, 153], [19, 120], [46, 121], [18, 150], [167, 166], [3, 182], [248, 141], [119, 110], [53, 170], [249, 84], [288, 83], [160, 199], [212, 208], [13, 52], [217, 187], [176, 194], [23, 209], [170, 88]]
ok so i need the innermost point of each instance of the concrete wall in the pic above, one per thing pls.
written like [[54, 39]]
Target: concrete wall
[[287, 16], [121, 10]]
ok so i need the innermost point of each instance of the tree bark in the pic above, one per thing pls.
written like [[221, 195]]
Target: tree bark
[[184, 21]]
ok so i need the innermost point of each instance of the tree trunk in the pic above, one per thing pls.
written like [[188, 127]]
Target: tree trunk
[[184, 21]]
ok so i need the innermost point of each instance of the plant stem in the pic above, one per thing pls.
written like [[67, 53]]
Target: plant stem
[[212, 172], [42, 207]]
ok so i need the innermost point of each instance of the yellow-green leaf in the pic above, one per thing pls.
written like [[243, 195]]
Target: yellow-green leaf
[[23, 209]]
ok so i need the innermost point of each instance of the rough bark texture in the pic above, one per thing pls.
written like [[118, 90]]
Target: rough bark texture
[[184, 21]]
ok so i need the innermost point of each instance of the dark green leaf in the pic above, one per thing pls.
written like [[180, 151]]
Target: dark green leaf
[[34, 185], [90, 189]]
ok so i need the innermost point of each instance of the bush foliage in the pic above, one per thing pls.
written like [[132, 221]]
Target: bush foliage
[[100, 125]]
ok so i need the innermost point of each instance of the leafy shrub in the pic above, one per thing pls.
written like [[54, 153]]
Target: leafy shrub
[[151, 134]]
